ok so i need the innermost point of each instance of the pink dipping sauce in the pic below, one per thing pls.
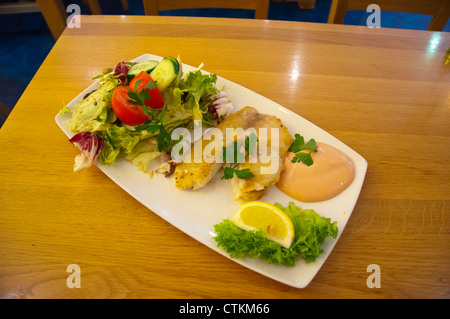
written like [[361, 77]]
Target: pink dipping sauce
[[330, 174]]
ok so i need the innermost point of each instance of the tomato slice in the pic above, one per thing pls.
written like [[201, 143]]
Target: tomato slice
[[156, 101], [125, 111]]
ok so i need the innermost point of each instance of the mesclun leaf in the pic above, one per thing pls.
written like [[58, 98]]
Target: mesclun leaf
[[298, 145], [196, 86]]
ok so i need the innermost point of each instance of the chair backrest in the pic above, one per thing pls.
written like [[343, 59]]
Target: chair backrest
[[438, 9], [261, 7]]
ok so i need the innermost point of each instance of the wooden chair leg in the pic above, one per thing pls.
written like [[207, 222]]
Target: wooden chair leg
[[337, 11], [125, 5], [150, 7], [55, 15], [4, 110], [439, 21], [262, 9], [94, 6]]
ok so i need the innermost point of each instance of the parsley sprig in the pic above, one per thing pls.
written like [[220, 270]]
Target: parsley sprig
[[152, 125], [238, 157], [163, 138], [298, 145], [138, 97]]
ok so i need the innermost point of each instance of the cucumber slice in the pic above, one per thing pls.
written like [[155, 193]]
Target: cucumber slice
[[166, 71], [177, 80], [147, 66]]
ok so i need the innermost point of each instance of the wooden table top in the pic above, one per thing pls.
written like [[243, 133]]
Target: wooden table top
[[383, 92]]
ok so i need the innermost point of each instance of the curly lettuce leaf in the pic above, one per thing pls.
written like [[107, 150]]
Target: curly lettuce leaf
[[197, 86], [240, 243], [311, 230]]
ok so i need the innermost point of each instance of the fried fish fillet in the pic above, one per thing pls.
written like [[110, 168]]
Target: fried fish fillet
[[198, 173], [266, 169]]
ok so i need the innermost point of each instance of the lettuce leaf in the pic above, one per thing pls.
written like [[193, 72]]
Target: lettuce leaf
[[240, 243], [109, 154], [138, 147], [91, 113], [144, 152], [175, 113], [197, 87], [90, 145], [311, 230], [119, 140], [121, 137]]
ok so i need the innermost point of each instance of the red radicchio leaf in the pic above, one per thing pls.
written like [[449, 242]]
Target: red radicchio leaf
[[122, 68], [90, 145]]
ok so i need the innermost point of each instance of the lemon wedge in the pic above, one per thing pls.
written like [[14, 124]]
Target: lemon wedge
[[272, 220]]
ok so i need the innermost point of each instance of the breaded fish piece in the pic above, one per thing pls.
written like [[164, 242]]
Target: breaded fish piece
[[266, 170], [197, 175]]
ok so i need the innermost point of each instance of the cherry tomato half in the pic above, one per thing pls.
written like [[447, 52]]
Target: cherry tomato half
[[132, 114], [125, 111], [156, 101]]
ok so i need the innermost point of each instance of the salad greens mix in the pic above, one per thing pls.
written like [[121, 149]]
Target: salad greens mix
[[135, 109]]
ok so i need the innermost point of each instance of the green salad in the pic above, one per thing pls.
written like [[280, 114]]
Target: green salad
[[136, 107]]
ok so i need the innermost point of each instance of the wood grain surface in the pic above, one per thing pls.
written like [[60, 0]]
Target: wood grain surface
[[383, 92]]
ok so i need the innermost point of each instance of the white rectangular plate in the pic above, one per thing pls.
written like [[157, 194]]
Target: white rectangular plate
[[196, 212]]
